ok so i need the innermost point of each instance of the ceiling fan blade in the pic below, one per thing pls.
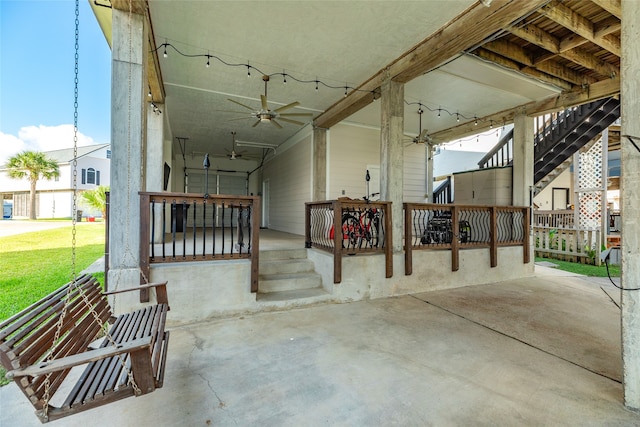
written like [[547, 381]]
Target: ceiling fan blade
[[256, 123], [263, 99], [423, 135], [295, 122], [241, 104], [240, 118], [276, 124], [296, 114], [286, 107]]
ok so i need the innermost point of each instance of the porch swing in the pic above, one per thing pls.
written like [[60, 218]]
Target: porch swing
[[45, 346]]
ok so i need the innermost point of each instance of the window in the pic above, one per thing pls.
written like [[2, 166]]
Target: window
[[91, 176], [97, 177], [108, 154], [84, 176]]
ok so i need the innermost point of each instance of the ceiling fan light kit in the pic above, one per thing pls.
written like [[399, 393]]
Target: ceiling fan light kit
[[265, 114]]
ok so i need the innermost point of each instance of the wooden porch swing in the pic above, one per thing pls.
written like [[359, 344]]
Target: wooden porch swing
[[46, 345]]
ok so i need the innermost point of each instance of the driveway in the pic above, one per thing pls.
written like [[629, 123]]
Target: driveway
[[10, 227]]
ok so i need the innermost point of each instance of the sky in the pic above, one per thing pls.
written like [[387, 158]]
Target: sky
[[37, 61]]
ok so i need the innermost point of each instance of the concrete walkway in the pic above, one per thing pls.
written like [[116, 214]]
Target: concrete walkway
[[538, 351]]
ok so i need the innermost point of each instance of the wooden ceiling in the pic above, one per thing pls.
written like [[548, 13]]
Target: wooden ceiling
[[570, 43]]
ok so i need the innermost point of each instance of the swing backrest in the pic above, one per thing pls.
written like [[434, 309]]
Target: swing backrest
[[27, 338]]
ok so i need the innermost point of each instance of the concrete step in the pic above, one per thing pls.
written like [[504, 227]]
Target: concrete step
[[283, 254], [294, 297], [288, 282], [285, 266]]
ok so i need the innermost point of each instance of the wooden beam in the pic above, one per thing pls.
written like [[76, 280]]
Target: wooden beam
[[612, 6], [511, 51], [560, 71], [592, 62], [580, 25], [461, 34], [562, 101], [533, 72], [608, 26], [547, 41], [537, 36], [138, 7]]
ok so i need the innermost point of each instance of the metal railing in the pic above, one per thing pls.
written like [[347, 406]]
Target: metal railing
[[500, 155], [179, 227], [443, 194], [349, 227], [455, 227]]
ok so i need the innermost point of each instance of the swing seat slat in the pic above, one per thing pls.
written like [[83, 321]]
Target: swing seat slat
[[140, 339]]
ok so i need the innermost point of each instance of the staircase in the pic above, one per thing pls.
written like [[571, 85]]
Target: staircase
[[571, 130], [287, 275]]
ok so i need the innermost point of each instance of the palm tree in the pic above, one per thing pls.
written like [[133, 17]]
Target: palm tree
[[33, 165], [97, 198]]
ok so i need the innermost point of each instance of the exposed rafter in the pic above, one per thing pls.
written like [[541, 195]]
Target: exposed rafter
[[580, 25], [612, 6]]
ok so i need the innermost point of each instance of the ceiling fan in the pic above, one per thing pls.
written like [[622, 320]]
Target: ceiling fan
[[233, 154], [422, 137], [267, 115]]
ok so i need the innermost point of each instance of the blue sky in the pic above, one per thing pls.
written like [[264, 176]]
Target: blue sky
[[37, 77]]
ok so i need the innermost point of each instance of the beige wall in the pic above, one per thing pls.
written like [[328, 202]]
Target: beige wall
[[545, 197]]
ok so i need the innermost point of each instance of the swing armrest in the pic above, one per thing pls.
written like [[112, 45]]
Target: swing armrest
[[69, 362], [161, 291]]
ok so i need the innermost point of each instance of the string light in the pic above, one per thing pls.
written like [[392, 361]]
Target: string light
[[317, 82]]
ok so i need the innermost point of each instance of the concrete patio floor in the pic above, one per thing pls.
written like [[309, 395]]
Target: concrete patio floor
[[538, 351]]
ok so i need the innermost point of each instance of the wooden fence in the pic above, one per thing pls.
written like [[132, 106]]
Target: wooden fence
[[569, 244]]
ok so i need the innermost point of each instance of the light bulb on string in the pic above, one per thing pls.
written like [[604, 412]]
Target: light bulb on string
[[345, 90], [457, 117], [284, 78], [165, 51], [248, 69], [208, 64], [316, 84], [476, 121], [438, 112]]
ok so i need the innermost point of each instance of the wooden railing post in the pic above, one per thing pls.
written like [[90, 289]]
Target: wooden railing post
[[455, 245], [526, 227], [408, 240], [145, 268], [307, 225], [493, 248], [337, 242], [388, 240], [255, 243]]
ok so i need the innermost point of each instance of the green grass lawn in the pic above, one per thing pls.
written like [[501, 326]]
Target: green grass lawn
[[34, 264], [586, 269]]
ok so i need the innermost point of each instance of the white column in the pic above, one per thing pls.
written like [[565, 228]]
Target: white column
[[154, 160], [128, 95], [319, 164], [522, 159], [391, 156], [630, 202]]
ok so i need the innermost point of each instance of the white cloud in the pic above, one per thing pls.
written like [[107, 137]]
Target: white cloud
[[40, 138]]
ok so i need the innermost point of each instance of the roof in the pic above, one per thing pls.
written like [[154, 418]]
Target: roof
[[65, 155]]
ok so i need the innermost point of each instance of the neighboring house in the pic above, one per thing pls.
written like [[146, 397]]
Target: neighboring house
[[54, 198]]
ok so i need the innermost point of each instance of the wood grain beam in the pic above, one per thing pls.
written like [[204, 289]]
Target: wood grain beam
[[614, 7], [516, 66], [608, 26], [547, 41], [562, 101], [511, 51], [461, 34], [537, 36], [580, 25], [139, 7]]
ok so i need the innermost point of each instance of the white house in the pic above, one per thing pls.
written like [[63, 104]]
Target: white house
[[54, 198]]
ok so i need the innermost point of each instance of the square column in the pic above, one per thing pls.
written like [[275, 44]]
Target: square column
[[319, 172], [630, 202], [522, 160], [391, 154], [128, 96]]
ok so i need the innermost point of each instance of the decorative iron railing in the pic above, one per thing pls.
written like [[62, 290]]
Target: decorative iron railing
[[455, 227], [358, 228], [179, 227]]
